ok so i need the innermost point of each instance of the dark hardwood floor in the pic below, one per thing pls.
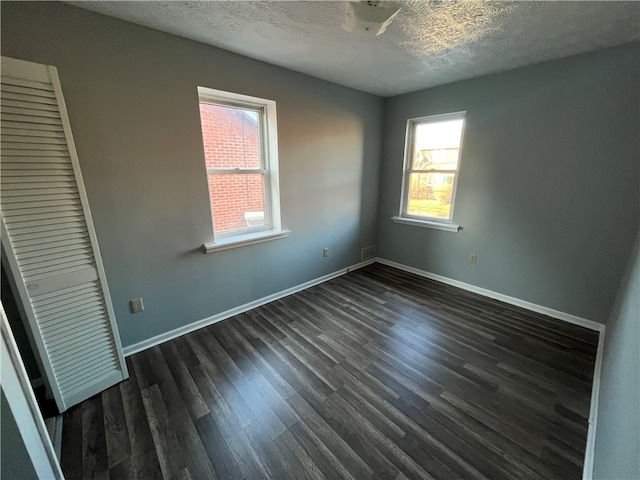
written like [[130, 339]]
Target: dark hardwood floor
[[378, 374]]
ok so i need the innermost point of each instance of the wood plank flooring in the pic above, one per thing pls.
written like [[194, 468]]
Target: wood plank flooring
[[378, 374]]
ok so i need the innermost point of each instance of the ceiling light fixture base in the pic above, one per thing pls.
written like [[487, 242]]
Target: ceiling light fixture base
[[370, 17]]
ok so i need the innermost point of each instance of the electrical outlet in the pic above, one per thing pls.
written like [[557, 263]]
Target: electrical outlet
[[473, 258], [325, 252], [136, 305]]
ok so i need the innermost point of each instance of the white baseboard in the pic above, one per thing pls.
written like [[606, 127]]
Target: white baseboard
[[170, 335], [567, 317]]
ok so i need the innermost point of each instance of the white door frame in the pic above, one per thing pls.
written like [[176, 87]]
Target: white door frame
[[22, 402]]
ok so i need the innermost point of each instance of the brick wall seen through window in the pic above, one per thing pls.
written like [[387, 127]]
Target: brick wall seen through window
[[231, 138]]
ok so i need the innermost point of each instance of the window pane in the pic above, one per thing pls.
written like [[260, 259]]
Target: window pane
[[430, 194], [237, 201], [231, 136], [436, 145]]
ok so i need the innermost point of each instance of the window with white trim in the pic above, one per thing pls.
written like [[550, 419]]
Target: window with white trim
[[240, 147], [431, 165]]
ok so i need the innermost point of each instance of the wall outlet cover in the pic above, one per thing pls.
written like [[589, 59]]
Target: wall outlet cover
[[136, 305]]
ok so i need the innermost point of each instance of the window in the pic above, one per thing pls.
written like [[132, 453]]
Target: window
[[431, 164], [240, 148]]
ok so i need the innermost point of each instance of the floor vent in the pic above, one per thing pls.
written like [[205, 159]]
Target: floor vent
[[368, 252]]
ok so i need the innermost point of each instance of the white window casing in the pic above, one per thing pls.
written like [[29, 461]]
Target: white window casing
[[271, 229], [414, 219]]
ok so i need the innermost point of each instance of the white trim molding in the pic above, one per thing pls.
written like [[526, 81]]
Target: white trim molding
[[178, 332], [410, 150], [246, 239], [267, 125], [567, 317], [24, 408], [587, 470], [449, 227]]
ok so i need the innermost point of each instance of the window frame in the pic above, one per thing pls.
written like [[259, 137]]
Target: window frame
[[268, 134], [407, 170]]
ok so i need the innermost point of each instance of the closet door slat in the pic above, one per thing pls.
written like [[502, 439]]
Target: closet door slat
[[49, 241]]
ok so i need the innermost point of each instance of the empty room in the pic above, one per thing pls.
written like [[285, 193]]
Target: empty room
[[320, 240]]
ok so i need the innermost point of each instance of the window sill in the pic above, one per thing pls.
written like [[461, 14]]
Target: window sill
[[246, 239], [449, 227]]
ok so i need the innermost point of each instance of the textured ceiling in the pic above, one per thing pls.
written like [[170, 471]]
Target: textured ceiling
[[429, 43]]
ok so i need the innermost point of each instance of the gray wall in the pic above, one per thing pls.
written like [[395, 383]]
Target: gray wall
[[549, 181], [617, 453], [133, 105], [547, 195]]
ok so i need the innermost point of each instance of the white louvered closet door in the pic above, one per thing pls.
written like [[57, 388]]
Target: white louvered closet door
[[48, 238]]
